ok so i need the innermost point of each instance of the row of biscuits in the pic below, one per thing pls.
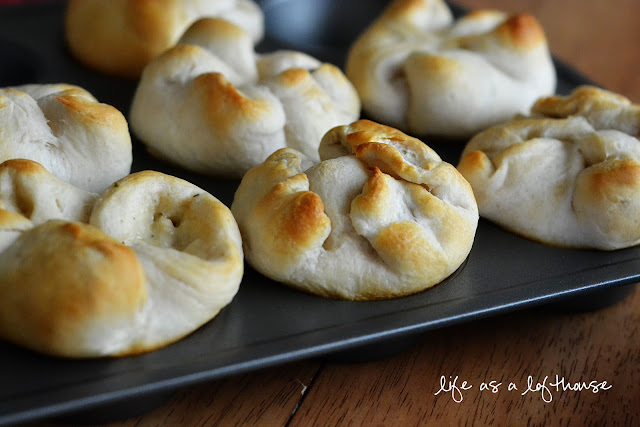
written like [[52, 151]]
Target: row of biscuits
[[329, 204]]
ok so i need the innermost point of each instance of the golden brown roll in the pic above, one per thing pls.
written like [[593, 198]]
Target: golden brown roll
[[567, 175], [381, 216], [417, 69], [212, 105], [141, 266], [120, 37]]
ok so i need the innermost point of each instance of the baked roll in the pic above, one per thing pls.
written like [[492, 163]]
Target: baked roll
[[64, 128], [567, 175], [120, 37], [129, 271], [381, 216], [214, 106], [417, 69]]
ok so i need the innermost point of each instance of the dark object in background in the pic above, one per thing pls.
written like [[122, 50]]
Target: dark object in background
[[19, 64]]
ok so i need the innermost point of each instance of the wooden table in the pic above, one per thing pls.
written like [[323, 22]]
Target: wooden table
[[602, 39]]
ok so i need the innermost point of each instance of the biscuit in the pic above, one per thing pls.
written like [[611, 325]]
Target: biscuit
[[120, 37], [566, 175], [129, 271], [381, 216], [212, 105], [418, 69]]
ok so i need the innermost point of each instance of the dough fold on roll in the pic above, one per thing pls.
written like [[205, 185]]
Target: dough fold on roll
[[65, 129]]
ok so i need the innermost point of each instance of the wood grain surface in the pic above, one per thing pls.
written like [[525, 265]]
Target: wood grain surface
[[267, 397], [601, 39], [502, 353]]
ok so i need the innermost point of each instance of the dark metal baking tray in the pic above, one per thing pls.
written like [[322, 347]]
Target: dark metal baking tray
[[269, 324]]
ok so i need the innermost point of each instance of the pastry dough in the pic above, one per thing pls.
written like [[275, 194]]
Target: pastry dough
[[418, 70], [568, 175], [214, 106], [140, 266], [120, 37], [64, 128], [381, 216]]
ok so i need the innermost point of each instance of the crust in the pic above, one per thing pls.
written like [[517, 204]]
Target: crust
[[225, 106], [102, 282], [522, 31]]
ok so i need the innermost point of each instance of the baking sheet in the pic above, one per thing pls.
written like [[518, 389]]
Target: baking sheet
[[267, 323]]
